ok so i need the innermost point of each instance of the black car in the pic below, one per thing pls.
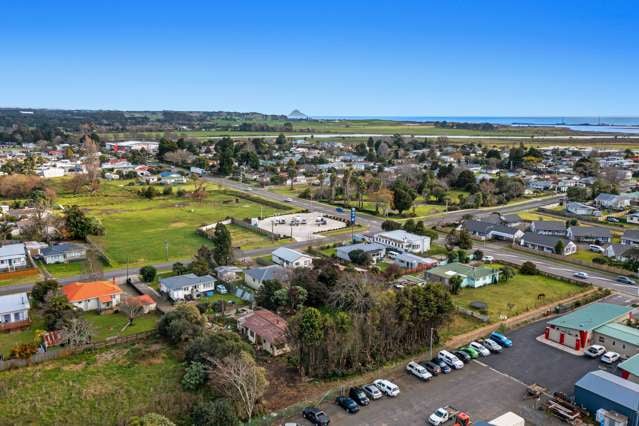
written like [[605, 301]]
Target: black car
[[347, 404], [316, 416], [432, 368], [445, 367], [463, 356], [358, 395]]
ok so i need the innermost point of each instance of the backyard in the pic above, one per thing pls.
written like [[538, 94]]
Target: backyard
[[138, 230]]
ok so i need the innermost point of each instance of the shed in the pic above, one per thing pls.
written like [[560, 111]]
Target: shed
[[600, 389], [619, 338]]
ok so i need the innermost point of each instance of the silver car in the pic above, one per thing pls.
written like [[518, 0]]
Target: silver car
[[372, 392]]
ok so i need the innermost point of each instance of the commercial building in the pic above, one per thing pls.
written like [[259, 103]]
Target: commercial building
[[601, 389], [401, 240], [289, 258], [618, 338], [576, 329]]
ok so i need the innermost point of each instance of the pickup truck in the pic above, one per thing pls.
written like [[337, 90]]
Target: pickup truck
[[442, 415]]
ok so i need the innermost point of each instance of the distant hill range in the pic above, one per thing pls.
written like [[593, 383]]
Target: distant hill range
[[296, 114]]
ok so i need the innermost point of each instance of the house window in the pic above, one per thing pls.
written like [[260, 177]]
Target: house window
[[7, 318], [16, 316], [601, 339]]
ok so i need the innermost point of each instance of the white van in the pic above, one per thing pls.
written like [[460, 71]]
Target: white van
[[418, 371], [387, 387], [451, 360]]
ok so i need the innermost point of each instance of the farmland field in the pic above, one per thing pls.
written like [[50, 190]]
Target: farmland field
[[141, 231]]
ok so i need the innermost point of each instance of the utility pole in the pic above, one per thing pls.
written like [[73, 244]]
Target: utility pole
[[166, 249], [431, 343]]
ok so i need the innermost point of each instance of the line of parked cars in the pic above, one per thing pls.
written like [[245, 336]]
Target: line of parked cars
[[598, 351], [443, 363]]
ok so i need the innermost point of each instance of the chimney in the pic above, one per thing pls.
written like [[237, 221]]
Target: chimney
[[113, 279]]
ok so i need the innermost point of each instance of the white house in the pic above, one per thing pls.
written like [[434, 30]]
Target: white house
[[630, 238], [291, 258], [94, 295], [633, 217], [63, 253], [612, 201], [375, 250], [403, 241], [12, 257], [181, 286], [581, 209], [150, 146], [412, 261], [14, 308]]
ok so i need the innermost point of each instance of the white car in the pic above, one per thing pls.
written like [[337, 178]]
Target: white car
[[595, 351], [289, 200], [582, 275], [451, 360], [387, 387], [488, 259], [595, 248], [479, 348], [610, 357], [440, 416], [418, 371]]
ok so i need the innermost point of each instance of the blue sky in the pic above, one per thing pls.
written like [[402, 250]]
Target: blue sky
[[562, 58]]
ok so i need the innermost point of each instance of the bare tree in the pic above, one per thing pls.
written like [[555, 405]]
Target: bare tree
[[77, 331], [132, 307], [94, 265], [181, 156], [91, 162], [240, 379], [199, 193]]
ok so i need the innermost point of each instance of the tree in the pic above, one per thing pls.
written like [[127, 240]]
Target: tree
[[213, 413], [148, 273], [194, 376], [360, 257], [132, 307], [91, 162], [478, 255], [199, 191], [182, 324], [391, 225], [464, 179], [57, 310], [281, 139], [506, 273], [291, 171], [403, 197], [79, 225], [559, 247], [266, 294], [465, 242], [528, 268], [241, 380], [150, 419], [179, 268], [42, 288], [454, 283], [223, 250], [77, 331]]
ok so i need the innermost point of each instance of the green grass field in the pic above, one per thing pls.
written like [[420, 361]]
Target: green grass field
[[521, 291], [112, 325], [105, 387], [246, 239], [64, 270], [140, 231]]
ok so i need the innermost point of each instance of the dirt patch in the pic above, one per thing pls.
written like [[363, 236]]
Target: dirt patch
[[110, 356], [97, 388]]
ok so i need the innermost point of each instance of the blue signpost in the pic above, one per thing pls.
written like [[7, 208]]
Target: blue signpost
[[353, 224]]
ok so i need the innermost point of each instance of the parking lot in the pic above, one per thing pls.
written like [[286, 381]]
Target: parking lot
[[476, 389], [300, 226]]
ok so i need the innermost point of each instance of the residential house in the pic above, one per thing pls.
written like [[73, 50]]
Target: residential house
[[633, 218], [146, 302], [94, 295], [581, 209], [612, 201], [548, 227], [266, 330], [473, 276], [186, 286], [228, 273], [290, 258], [489, 231], [589, 234], [412, 261], [541, 185], [547, 243], [170, 178], [630, 238], [14, 311], [375, 250], [401, 240], [255, 277], [63, 253], [12, 257], [150, 146], [622, 252]]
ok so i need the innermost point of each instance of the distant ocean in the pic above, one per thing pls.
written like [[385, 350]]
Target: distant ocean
[[585, 124]]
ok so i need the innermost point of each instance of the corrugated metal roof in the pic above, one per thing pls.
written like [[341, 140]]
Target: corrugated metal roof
[[631, 365], [288, 254], [591, 316], [620, 332], [614, 388]]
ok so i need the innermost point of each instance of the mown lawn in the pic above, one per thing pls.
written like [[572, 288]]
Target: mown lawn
[[225, 297], [9, 340], [63, 270], [103, 388], [521, 291], [36, 276], [246, 239], [112, 325], [142, 231]]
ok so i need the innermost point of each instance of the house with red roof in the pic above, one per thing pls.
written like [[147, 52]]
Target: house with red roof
[[266, 330], [93, 295]]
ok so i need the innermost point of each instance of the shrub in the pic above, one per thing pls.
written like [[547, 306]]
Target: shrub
[[391, 225], [194, 376], [529, 268], [23, 350], [148, 273], [218, 412]]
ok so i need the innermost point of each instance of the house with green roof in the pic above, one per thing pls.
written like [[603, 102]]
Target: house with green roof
[[575, 329], [472, 276], [618, 338], [630, 369]]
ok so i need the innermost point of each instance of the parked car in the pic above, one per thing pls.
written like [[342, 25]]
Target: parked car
[[347, 404], [316, 416], [610, 357], [221, 289], [288, 200], [451, 360], [488, 259], [501, 339], [418, 371], [372, 391], [612, 219], [595, 248], [442, 365], [440, 416], [491, 345], [432, 368], [463, 356], [358, 395], [581, 275], [470, 351], [595, 351], [339, 210], [387, 387], [483, 351], [625, 280]]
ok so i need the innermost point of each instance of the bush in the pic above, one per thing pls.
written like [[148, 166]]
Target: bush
[[600, 260], [168, 190], [391, 225], [529, 268], [148, 273], [218, 412], [194, 376]]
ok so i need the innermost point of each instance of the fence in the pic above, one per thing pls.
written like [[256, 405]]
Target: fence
[[96, 247], [258, 230], [16, 325], [21, 273], [473, 314], [68, 351], [255, 199]]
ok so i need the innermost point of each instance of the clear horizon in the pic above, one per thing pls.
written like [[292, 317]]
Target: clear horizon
[[524, 59]]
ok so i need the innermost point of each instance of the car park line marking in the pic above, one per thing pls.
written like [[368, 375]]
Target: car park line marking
[[514, 379]]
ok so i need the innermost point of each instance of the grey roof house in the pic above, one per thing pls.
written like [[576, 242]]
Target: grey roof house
[[185, 286], [547, 243], [255, 277], [630, 238], [548, 227], [63, 253], [12, 257], [589, 234], [375, 250]]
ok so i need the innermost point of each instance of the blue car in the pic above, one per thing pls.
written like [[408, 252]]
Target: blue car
[[501, 339]]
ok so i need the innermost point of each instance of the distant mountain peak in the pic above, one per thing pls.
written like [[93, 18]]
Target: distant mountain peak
[[296, 114]]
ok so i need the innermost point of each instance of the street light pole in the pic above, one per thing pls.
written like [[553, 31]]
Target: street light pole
[[431, 343]]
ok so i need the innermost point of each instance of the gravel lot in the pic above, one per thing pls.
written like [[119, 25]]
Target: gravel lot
[[300, 232]]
